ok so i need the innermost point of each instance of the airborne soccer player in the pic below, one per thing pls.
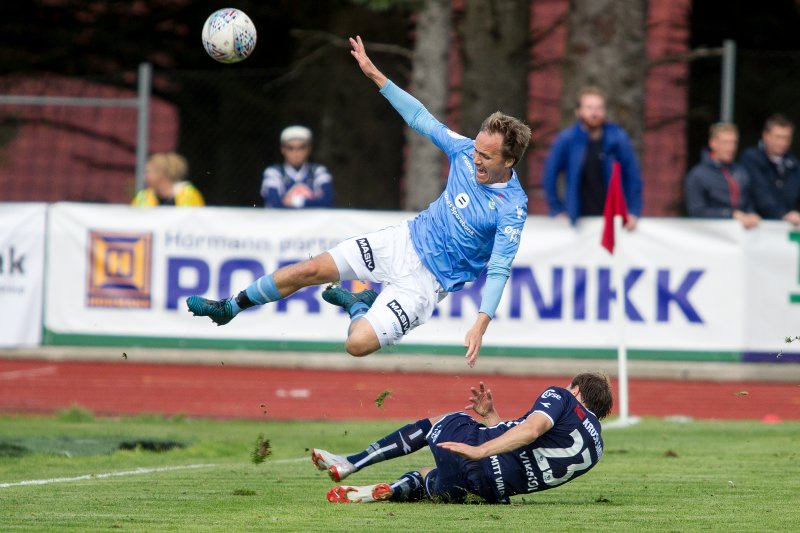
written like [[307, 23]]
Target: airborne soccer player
[[475, 224], [557, 440]]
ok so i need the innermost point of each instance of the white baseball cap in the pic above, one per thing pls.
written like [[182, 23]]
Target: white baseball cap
[[296, 133]]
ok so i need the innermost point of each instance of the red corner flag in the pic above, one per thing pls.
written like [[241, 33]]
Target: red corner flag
[[615, 205]]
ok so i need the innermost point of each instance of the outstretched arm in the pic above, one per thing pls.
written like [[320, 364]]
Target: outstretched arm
[[411, 109], [364, 62], [497, 274], [535, 425]]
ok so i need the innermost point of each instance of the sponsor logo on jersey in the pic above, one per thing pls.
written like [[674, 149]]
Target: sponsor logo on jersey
[[498, 475], [401, 315], [470, 165], [492, 203], [462, 200], [598, 445], [366, 253], [550, 393], [530, 473], [453, 211], [580, 412], [520, 212], [119, 269], [512, 233], [435, 433]]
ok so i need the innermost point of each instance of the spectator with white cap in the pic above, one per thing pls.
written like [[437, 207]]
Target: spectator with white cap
[[296, 183]]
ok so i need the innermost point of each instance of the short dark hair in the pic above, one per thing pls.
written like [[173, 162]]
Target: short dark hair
[[595, 392], [516, 134], [778, 119]]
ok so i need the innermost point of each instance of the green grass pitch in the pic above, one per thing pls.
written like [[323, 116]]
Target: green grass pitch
[[655, 476]]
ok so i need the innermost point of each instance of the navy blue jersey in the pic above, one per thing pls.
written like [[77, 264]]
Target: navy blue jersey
[[277, 180], [570, 448]]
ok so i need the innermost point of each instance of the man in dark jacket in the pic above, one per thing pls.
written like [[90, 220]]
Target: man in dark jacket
[[717, 187], [584, 153], [774, 172]]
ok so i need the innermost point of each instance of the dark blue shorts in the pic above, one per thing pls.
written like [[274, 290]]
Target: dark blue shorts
[[454, 477]]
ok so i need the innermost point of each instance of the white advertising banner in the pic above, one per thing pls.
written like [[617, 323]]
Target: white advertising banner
[[704, 286], [771, 292], [124, 271], [22, 242]]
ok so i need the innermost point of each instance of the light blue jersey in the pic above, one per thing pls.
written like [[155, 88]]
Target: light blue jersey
[[470, 225]]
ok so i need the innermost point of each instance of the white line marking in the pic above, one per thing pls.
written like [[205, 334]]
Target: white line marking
[[27, 373], [136, 472]]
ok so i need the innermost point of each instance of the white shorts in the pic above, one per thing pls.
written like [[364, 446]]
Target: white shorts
[[410, 292]]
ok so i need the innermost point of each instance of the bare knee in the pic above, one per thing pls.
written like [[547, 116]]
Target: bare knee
[[362, 340], [357, 347]]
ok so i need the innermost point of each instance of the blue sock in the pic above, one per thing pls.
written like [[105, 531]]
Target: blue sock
[[404, 441], [263, 290], [409, 488], [357, 310]]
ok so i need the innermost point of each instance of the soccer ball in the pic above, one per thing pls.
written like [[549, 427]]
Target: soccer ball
[[229, 35]]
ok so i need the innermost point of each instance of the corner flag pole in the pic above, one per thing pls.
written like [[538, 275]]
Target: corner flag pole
[[619, 315], [615, 214]]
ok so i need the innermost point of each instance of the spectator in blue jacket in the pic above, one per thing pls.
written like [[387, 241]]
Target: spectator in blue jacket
[[717, 187], [774, 172], [296, 182], [584, 153]]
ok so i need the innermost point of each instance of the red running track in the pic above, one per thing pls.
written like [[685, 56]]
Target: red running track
[[223, 391]]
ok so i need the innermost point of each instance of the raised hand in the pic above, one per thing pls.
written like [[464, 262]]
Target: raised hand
[[359, 52], [481, 401]]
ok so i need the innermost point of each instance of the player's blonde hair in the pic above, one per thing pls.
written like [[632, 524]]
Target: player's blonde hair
[[172, 165], [516, 134], [722, 127]]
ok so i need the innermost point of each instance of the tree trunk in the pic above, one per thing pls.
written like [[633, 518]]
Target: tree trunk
[[495, 50], [429, 84], [606, 48]]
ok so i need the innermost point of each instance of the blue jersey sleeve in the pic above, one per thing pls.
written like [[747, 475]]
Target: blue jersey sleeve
[[552, 403], [506, 244], [506, 240], [421, 120], [492, 291]]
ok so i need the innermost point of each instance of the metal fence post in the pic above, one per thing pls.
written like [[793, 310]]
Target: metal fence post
[[728, 80], [143, 122]]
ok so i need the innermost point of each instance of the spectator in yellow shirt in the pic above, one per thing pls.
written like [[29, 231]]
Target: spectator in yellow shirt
[[165, 181]]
